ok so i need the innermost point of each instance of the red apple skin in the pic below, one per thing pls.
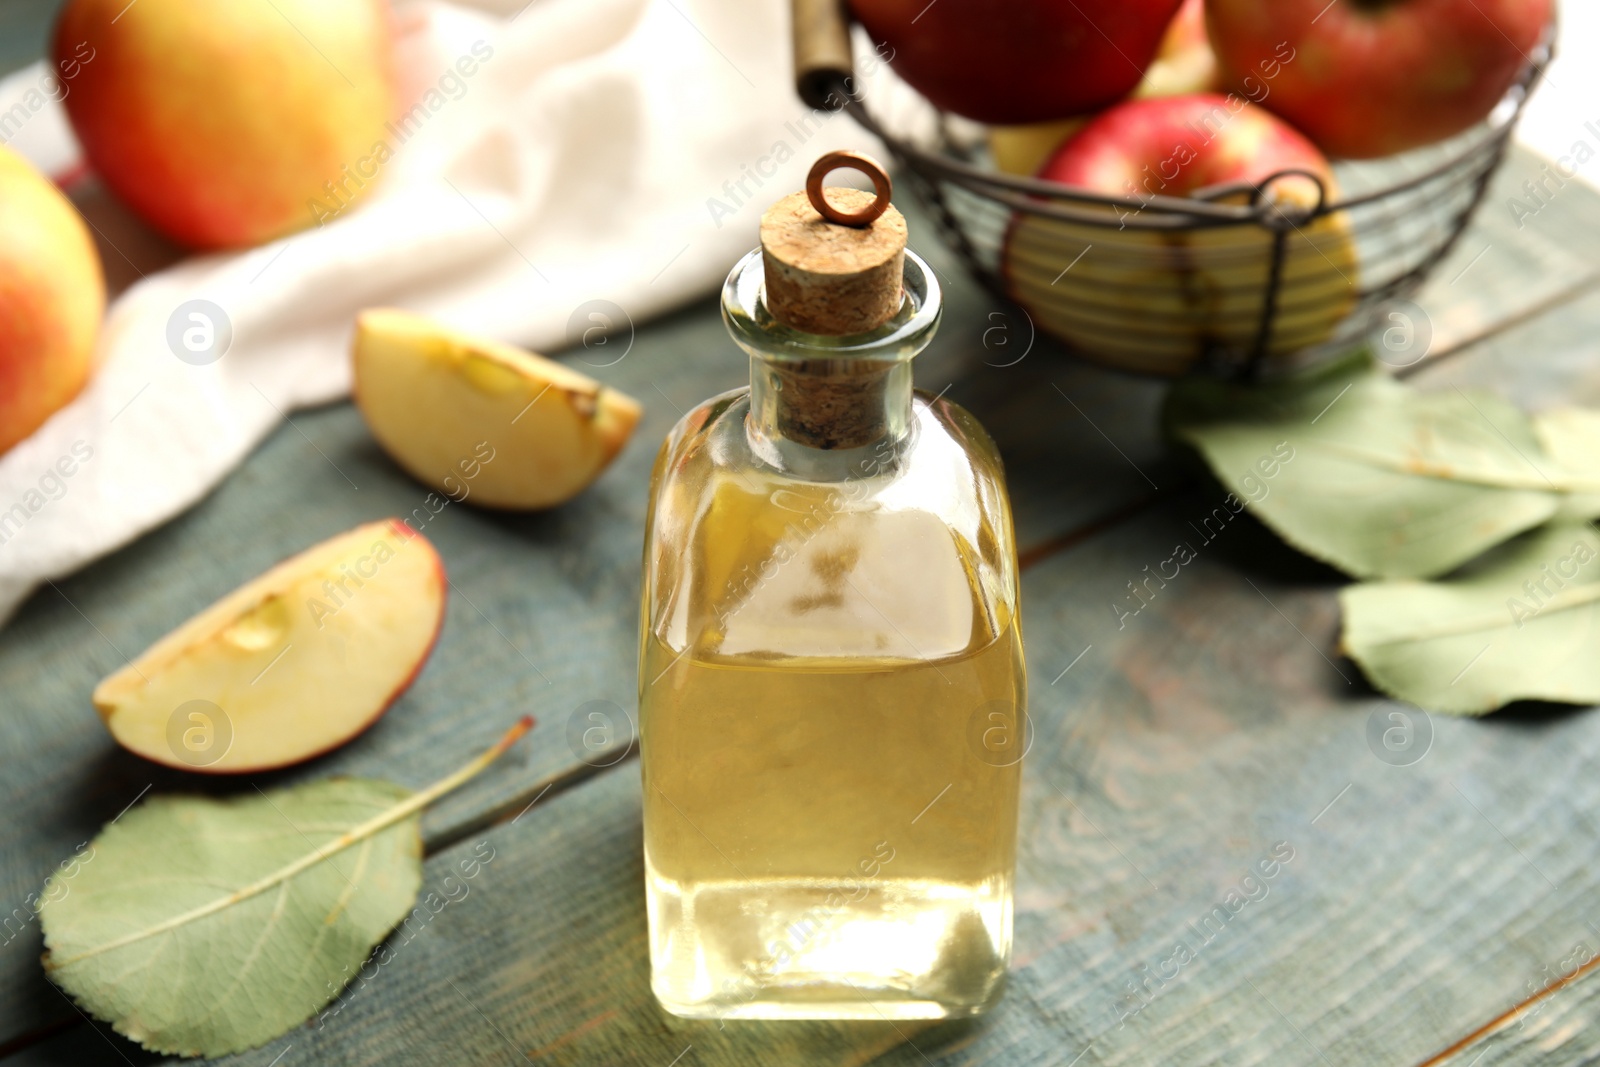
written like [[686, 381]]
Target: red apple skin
[[52, 297], [1022, 60], [1375, 78], [219, 123], [1174, 145]]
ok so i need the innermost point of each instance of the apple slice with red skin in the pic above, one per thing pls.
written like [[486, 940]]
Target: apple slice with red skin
[[289, 665], [483, 421]]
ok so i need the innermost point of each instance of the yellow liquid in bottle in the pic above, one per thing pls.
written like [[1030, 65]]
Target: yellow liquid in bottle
[[830, 829]]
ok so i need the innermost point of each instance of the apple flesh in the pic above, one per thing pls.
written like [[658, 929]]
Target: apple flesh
[[480, 420], [1374, 78], [288, 666], [1021, 61], [226, 125], [1156, 300], [1184, 64], [52, 295]]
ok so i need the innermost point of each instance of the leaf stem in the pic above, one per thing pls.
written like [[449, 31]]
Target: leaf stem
[[450, 783], [378, 823]]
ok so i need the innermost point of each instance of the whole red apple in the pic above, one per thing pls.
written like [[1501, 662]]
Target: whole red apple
[[1368, 78], [1158, 300], [1021, 60], [232, 122]]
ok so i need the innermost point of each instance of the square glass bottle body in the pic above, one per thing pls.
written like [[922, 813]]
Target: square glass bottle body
[[831, 712]]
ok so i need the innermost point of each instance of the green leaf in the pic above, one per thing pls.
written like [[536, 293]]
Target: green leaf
[[203, 927], [1522, 622], [1384, 480], [1571, 438]]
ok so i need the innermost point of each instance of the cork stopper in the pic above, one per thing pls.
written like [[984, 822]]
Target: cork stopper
[[834, 258], [833, 264]]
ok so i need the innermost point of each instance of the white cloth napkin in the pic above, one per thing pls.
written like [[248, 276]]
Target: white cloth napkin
[[596, 153]]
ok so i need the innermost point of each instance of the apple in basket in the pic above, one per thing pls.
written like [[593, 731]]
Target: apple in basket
[[229, 124], [1157, 300], [1370, 79], [1021, 60], [52, 294], [1184, 63]]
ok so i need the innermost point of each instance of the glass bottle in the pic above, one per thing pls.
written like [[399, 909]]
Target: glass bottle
[[830, 674]]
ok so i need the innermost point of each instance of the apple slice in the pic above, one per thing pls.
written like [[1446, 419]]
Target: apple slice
[[289, 665], [481, 420]]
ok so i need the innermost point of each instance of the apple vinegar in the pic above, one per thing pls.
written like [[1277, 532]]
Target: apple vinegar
[[831, 672]]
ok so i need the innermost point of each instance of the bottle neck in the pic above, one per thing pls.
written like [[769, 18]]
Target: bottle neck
[[830, 404], [824, 405]]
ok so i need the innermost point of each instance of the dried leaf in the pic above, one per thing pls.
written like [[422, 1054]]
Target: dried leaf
[[203, 927], [1522, 622], [1571, 438], [1384, 480]]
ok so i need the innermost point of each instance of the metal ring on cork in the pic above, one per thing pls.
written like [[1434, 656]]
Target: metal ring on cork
[[846, 160]]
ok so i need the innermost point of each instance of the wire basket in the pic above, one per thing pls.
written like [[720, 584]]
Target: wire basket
[[1235, 281]]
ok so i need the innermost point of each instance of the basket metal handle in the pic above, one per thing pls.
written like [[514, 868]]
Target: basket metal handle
[[822, 60]]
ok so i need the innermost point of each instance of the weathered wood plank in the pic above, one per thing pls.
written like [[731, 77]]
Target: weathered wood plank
[[1511, 270], [1553, 1022], [25, 31]]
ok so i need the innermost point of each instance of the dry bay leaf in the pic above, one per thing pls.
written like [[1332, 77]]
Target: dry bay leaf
[[1522, 622], [1385, 480], [1571, 438]]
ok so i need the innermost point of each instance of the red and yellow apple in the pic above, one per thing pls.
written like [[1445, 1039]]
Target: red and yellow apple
[[1375, 77], [52, 295], [1022, 60], [289, 665], [483, 421], [229, 124], [1156, 299]]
